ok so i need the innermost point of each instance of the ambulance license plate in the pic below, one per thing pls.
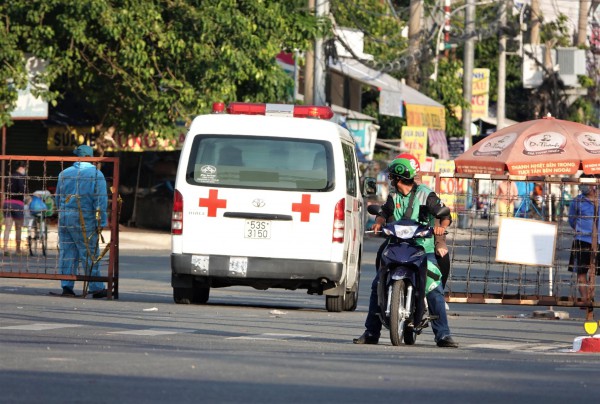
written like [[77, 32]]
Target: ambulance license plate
[[257, 229]]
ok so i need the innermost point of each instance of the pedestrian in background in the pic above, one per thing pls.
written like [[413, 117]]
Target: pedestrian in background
[[506, 194], [81, 202], [13, 207], [582, 218]]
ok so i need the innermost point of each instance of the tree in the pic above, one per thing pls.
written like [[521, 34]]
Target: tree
[[444, 89], [382, 28], [141, 65], [378, 21]]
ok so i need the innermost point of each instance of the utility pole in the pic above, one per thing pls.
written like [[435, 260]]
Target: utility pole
[[322, 10], [414, 36], [446, 29], [584, 8], [309, 67], [468, 61], [535, 22], [500, 108]]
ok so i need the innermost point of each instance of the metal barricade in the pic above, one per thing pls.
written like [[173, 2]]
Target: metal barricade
[[476, 276], [39, 261]]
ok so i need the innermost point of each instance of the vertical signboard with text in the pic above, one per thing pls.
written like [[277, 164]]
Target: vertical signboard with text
[[480, 97], [414, 138]]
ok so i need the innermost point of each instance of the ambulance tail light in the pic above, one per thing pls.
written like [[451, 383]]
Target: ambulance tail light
[[177, 216], [339, 221]]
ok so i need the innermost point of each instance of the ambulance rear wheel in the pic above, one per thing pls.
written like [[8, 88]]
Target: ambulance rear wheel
[[334, 303], [201, 294], [352, 296], [195, 295], [183, 295]]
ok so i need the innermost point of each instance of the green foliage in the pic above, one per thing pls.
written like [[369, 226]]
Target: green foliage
[[585, 81], [556, 31], [582, 110], [145, 64], [448, 90], [381, 28]]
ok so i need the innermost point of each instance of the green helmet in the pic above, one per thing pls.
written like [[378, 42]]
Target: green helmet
[[402, 168]]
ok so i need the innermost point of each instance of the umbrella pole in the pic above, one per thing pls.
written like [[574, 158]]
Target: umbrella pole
[[591, 289]]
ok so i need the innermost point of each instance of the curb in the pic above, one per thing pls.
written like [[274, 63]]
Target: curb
[[587, 344]]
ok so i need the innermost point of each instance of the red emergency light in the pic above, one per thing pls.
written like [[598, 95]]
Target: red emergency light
[[246, 108], [218, 107], [297, 111], [313, 111]]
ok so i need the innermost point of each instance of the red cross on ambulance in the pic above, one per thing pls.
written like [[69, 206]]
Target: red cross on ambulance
[[212, 202], [305, 208]]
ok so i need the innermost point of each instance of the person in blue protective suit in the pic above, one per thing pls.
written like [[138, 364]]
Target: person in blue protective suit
[[425, 202], [81, 203]]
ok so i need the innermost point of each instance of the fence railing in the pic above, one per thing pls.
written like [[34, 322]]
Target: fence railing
[[38, 243], [479, 202]]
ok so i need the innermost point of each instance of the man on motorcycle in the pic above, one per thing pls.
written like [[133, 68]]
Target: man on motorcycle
[[425, 204], [441, 249]]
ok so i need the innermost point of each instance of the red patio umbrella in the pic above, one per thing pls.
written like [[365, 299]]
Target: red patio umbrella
[[546, 146]]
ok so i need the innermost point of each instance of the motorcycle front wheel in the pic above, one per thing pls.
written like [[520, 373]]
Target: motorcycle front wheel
[[398, 312]]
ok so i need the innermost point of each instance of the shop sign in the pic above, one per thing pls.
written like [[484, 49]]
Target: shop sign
[[480, 96], [68, 138], [425, 115], [414, 138]]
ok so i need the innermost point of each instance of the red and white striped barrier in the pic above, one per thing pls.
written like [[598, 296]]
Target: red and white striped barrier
[[587, 344]]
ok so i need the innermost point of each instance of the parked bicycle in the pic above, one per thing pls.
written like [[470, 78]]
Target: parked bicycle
[[41, 206]]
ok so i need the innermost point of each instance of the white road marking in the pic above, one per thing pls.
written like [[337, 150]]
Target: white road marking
[[271, 336], [39, 326], [152, 332], [523, 348]]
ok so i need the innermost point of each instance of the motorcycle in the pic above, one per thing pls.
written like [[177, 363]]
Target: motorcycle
[[402, 278]]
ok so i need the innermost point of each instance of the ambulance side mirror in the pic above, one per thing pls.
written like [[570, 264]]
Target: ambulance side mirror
[[369, 186]]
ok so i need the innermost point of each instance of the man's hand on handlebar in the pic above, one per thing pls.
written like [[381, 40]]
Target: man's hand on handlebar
[[439, 230], [379, 222]]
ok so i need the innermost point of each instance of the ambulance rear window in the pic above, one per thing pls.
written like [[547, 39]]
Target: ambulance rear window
[[261, 162]]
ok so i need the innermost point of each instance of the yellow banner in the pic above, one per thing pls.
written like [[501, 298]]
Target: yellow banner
[[68, 138], [414, 139], [424, 115], [444, 166], [480, 98]]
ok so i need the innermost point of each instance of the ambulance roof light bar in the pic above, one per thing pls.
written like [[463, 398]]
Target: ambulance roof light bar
[[297, 111]]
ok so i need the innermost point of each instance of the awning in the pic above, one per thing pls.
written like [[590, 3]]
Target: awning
[[393, 92], [351, 114]]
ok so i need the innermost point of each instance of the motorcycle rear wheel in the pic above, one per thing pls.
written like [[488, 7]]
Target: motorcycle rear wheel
[[397, 310]]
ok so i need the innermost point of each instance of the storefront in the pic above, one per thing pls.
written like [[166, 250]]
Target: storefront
[[148, 163]]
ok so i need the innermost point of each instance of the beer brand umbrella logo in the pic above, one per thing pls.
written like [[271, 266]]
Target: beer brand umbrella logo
[[494, 147], [544, 143], [589, 141]]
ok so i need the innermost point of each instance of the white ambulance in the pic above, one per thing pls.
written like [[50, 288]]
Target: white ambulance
[[268, 196]]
